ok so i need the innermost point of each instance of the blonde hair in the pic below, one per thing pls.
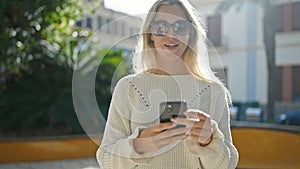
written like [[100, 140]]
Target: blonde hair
[[196, 54]]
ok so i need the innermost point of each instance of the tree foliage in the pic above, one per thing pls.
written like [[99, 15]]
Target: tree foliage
[[39, 102], [40, 45], [38, 29]]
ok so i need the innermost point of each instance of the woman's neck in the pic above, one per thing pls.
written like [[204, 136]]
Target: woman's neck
[[171, 68]]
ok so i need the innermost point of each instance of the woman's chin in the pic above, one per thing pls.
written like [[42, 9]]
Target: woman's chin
[[170, 54]]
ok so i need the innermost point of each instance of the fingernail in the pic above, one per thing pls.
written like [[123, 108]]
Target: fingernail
[[173, 125], [173, 120]]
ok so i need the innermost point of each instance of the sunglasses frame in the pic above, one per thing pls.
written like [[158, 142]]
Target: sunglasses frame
[[189, 28]]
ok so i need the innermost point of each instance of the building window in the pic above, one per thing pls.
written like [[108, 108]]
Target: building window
[[99, 18], [214, 30], [79, 24], [287, 17], [279, 21], [109, 26], [295, 83], [123, 29], [115, 25], [89, 22], [296, 16]]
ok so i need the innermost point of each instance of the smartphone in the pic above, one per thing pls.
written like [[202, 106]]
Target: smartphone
[[172, 109]]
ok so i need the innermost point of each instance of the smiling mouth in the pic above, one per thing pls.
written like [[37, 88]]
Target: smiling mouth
[[170, 45]]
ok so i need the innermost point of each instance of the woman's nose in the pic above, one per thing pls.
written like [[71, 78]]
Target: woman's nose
[[171, 32]]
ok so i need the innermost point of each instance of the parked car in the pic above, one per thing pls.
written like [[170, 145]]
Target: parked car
[[290, 118]]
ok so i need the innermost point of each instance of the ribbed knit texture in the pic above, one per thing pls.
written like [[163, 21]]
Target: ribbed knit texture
[[135, 105]]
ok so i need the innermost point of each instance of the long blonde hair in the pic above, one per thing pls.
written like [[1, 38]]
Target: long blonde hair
[[196, 54]]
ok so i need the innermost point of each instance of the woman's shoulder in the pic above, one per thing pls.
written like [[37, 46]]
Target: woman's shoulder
[[129, 79], [213, 86], [124, 80], [218, 88]]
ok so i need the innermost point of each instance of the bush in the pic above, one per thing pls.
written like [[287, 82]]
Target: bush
[[40, 100]]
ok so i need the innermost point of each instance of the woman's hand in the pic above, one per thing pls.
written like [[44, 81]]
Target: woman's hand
[[156, 137], [199, 125]]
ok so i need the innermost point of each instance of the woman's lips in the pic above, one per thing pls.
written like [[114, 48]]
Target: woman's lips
[[171, 45]]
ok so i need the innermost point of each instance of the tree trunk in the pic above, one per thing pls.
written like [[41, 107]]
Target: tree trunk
[[270, 42]]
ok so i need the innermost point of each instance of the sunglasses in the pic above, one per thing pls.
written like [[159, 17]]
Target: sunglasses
[[180, 27]]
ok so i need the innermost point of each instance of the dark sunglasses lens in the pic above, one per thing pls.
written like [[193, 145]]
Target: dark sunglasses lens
[[182, 27], [160, 28]]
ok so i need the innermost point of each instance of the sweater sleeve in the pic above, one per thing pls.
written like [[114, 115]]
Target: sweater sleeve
[[220, 153], [116, 149]]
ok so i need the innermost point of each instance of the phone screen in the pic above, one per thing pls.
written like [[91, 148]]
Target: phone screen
[[170, 110]]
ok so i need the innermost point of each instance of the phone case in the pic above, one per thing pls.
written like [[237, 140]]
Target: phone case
[[170, 110]]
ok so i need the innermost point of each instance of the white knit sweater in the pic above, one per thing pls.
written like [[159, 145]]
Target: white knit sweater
[[135, 105]]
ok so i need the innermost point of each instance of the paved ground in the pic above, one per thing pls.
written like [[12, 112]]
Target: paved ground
[[87, 163]]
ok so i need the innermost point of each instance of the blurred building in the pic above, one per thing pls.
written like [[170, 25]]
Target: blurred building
[[238, 37], [115, 29]]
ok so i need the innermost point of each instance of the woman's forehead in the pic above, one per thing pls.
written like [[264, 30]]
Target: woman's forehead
[[170, 12]]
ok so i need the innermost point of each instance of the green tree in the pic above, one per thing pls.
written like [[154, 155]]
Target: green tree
[[38, 29], [269, 31], [40, 45], [41, 103]]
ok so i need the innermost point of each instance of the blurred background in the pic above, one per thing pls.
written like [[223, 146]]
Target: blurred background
[[43, 42]]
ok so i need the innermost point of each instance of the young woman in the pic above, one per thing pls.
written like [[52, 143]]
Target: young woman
[[171, 65]]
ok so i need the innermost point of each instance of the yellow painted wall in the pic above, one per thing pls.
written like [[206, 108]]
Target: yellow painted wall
[[47, 150], [262, 148], [258, 148]]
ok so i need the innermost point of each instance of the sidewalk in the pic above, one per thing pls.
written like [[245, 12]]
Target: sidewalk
[[86, 163]]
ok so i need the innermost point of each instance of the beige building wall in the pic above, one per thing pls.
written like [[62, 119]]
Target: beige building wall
[[235, 48]]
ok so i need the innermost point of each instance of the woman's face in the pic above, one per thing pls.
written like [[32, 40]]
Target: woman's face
[[170, 32]]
